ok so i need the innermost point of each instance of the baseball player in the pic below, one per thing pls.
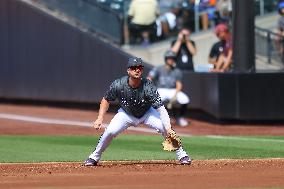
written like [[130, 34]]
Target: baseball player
[[140, 103], [168, 80]]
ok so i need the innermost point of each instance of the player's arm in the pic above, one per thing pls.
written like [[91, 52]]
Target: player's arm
[[110, 95], [158, 105], [228, 60], [176, 46], [178, 86], [165, 119], [212, 60], [190, 47], [103, 109]]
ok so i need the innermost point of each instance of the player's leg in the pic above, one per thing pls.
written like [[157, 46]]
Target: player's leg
[[153, 121], [166, 94], [119, 123], [183, 100]]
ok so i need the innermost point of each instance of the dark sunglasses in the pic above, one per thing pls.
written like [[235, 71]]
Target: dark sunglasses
[[136, 67]]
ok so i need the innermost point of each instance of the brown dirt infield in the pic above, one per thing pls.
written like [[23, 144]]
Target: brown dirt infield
[[160, 174], [263, 173]]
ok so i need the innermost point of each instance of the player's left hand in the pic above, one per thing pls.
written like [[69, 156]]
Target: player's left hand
[[172, 142]]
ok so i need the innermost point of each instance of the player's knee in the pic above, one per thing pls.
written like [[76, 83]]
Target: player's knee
[[162, 129], [111, 134], [184, 99]]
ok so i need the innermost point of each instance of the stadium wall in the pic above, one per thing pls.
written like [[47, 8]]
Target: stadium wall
[[43, 58]]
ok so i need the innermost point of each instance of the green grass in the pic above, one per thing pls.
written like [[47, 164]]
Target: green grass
[[135, 147]]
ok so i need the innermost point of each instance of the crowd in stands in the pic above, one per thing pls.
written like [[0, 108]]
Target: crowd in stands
[[152, 20]]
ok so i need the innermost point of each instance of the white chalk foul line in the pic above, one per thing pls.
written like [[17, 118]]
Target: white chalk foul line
[[244, 138], [63, 122], [44, 120], [138, 129]]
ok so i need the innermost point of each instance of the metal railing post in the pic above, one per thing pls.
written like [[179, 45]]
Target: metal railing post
[[261, 7], [269, 47], [196, 16], [126, 34]]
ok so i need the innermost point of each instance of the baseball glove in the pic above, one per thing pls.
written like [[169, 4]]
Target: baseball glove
[[172, 142]]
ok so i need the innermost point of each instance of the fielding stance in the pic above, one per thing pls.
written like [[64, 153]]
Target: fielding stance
[[140, 103]]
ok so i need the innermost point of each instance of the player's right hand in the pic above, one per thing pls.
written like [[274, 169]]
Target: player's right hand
[[98, 124]]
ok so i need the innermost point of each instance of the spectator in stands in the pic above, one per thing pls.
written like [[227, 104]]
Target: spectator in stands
[[188, 15], [203, 5], [168, 79], [167, 21], [142, 15], [185, 49], [167, 5], [223, 11], [206, 13], [221, 52]]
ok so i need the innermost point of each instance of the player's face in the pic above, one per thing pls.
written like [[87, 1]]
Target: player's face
[[170, 61], [135, 71]]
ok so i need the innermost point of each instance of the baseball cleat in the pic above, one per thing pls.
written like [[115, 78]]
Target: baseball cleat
[[90, 162], [185, 160]]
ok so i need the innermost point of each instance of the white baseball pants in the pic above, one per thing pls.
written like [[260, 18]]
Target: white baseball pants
[[168, 94], [122, 121]]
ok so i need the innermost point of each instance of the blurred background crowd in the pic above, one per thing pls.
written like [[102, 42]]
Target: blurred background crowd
[[142, 23], [166, 17], [160, 18]]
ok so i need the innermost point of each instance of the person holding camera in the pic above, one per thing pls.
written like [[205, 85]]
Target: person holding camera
[[185, 49]]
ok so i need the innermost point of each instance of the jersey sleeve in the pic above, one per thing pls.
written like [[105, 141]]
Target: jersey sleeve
[[153, 95], [111, 93], [178, 75], [213, 53]]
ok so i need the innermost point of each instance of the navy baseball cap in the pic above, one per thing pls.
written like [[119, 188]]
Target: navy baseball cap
[[133, 61]]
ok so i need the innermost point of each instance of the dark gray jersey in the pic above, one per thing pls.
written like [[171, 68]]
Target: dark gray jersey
[[165, 78], [134, 101]]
